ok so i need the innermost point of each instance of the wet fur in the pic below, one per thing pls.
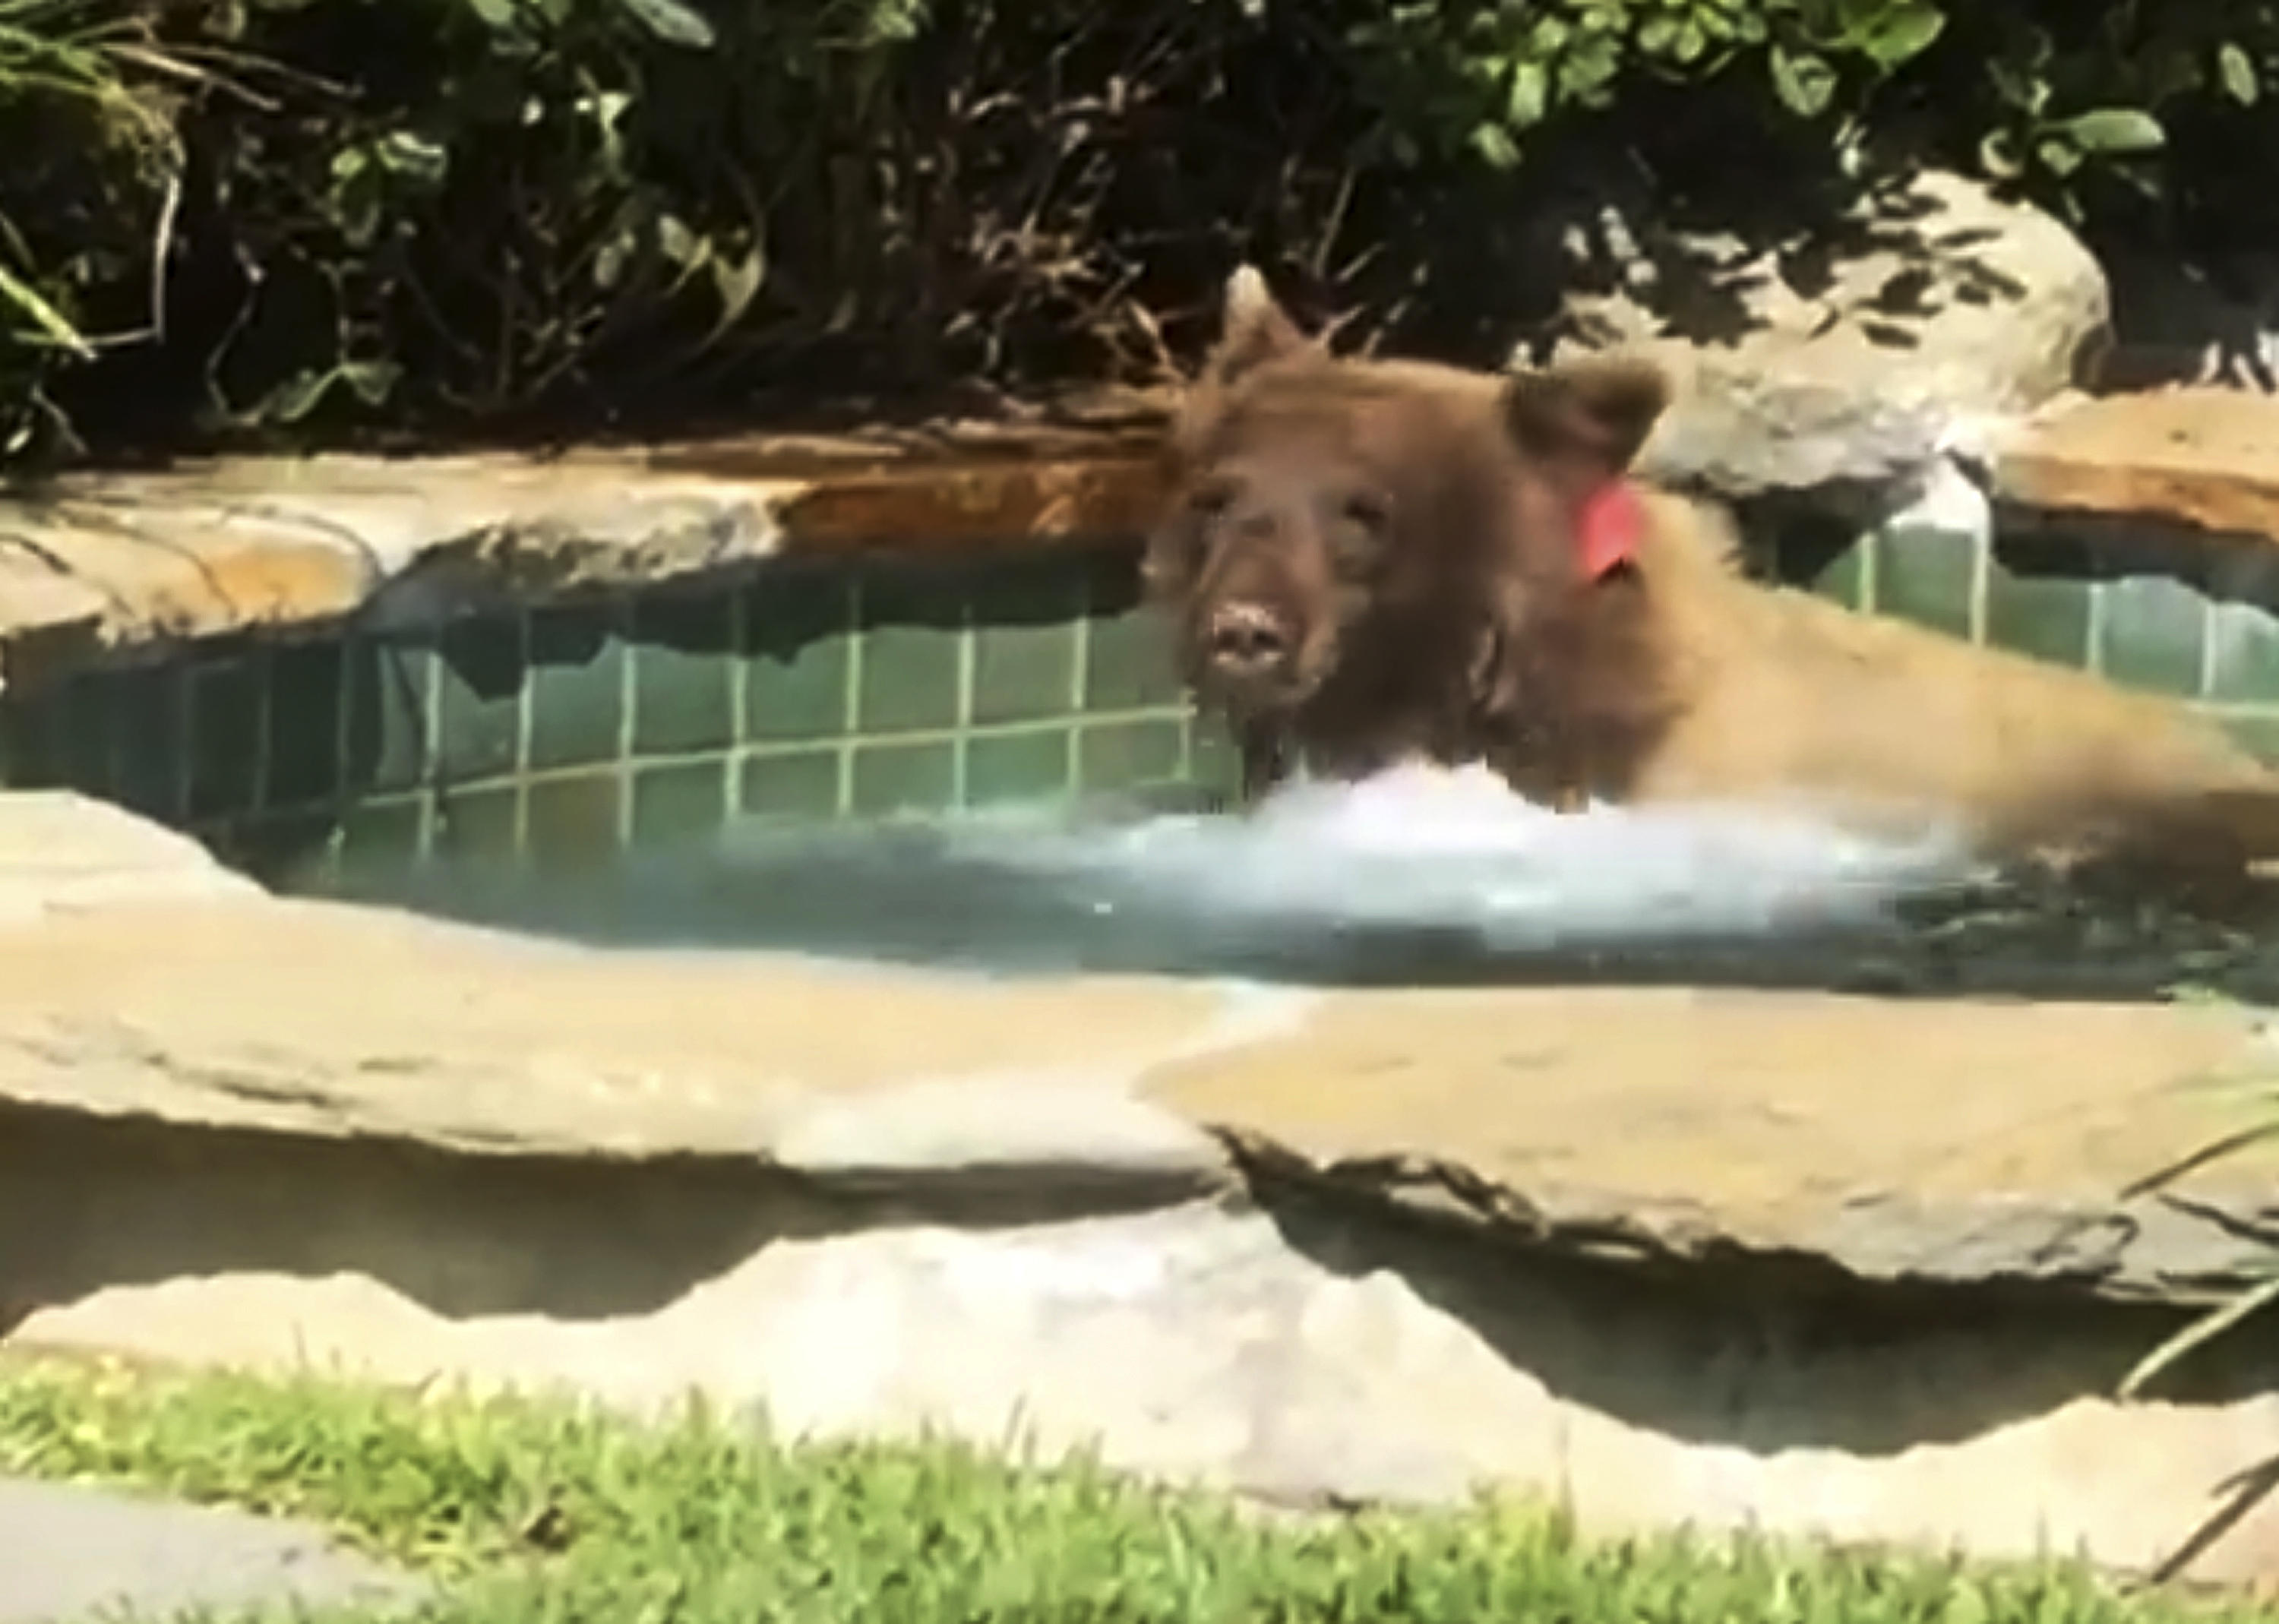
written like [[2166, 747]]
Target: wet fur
[[1469, 633]]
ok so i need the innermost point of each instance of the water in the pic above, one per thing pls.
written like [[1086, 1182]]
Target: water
[[1420, 876]]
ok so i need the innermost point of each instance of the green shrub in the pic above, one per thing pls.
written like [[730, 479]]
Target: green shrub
[[309, 218]]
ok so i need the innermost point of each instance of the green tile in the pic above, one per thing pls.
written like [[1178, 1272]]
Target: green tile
[[1128, 663], [2258, 734], [388, 746], [577, 686], [797, 784], [2246, 654], [685, 670], [1019, 767], [2152, 633], [2047, 617], [304, 722], [477, 822], [225, 765], [1215, 766], [571, 823], [1925, 575], [1024, 641], [797, 647], [148, 712], [480, 717], [685, 802], [903, 777], [382, 836], [1118, 755], [911, 637]]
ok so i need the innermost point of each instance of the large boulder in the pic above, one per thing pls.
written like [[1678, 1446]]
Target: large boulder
[[1839, 357]]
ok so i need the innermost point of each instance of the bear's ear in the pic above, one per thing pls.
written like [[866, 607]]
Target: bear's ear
[[1585, 421], [1255, 329]]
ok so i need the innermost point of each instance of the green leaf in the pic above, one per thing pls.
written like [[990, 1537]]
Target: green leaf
[[1529, 96], [2116, 129], [610, 259], [51, 322], [678, 243], [496, 15], [1904, 32], [2058, 154], [1495, 146], [1805, 82], [737, 282], [2237, 74], [672, 22], [413, 157]]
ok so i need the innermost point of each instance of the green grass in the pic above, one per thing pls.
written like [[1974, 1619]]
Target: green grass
[[537, 1512]]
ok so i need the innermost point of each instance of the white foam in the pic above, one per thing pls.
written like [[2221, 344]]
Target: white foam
[[1414, 872], [1421, 846]]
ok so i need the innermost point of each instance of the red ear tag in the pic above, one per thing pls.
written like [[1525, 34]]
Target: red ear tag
[[1612, 522]]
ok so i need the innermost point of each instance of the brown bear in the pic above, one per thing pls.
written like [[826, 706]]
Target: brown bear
[[1373, 561]]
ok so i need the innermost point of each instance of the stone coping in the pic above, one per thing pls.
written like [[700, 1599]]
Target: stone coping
[[1945, 1141], [95, 561], [2201, 458]]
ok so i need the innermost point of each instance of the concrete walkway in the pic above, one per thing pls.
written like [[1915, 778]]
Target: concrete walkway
[[73, 1552]]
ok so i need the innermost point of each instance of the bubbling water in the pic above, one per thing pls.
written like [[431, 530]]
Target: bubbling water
[[1417, 877], [1455, 850]]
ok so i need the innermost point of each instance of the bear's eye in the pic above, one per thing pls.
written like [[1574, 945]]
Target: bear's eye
[[1210, 499], [1366, 511]]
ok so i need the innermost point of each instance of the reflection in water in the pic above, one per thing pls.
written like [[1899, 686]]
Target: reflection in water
[[1419, 877]]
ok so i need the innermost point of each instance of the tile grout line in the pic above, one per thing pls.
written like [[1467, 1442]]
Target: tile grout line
[[526, 700], [1079, 690], [621, 623], [2207, 610], [962, 703], [741, 608], [2092, 658], [1982, 582], [851, 698], [431, 743]]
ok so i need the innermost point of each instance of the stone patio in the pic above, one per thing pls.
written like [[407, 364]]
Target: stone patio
[[1829, 1265]]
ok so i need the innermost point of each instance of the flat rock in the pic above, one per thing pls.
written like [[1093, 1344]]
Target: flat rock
[[60, 851], [2199, 458], [76, 1553], [1899, 1139], [95, 560]]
